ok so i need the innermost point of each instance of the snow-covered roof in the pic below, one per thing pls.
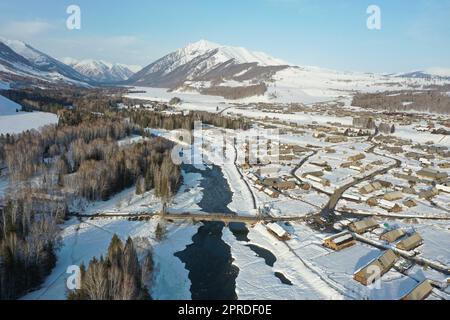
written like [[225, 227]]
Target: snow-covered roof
[[277, 229]]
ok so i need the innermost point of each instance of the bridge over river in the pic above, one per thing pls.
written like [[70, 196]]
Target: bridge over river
[[220, 217]]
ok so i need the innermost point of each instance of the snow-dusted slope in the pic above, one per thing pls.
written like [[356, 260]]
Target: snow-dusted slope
[[430, 73], [20, 60], [236, 73], [102, 71], [204, 60]]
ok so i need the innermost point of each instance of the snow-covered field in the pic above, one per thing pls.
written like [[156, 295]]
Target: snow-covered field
[[83, 241], [16, 122], [20, 122]]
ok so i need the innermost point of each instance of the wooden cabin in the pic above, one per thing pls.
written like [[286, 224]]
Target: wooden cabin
[[393, 235], [363, 226], [410, 243], [339, 241], [420, 292], [384, 263]]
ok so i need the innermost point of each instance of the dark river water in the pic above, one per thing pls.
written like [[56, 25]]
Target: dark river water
[[208, 259]]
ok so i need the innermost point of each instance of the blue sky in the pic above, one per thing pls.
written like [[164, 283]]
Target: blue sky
[[326, 33]]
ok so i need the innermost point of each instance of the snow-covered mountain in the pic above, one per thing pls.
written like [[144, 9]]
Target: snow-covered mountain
[[431, 73], [21, 62], [236, 73], [206, 61], [102, 71]]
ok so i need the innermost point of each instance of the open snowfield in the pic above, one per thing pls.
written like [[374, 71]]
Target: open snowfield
[[20, 122], [83, 241], [263, 284]]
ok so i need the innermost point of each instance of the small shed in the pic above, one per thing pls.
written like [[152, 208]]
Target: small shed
[[410, 243], [420, 292], [278, 231]]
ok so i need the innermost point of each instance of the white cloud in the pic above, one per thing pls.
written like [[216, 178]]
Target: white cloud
[[25, 29]]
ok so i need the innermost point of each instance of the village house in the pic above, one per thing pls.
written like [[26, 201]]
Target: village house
[[357, 168], [393, 235], [357, 157], [278, 183], [383, 263], [319, 135], [364, 122], [368, 188], [409, 178], [348, 164], [393, 150], [313, 173], [420, 292], [384, 184], [252, 177], [372, 202], [392, 196], [339, 241], [414, 155], [336, 139], [409, 203], [285, 185], [305, 186], [409, 190], [363, 226], [377, 186], [386, 128], [428, 194], [321, 164], [410, 243], [271, 192], [388, 205], [432, 174], [245, 166], [322, 181]]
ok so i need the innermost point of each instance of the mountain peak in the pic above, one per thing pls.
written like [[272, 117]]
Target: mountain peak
[[202, 45], [100, 70]]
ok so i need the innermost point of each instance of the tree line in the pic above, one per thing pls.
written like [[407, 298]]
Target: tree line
[[28, 240], [423, 101], [150, 119]]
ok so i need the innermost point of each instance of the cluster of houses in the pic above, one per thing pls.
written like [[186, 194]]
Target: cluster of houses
[[385, 195], [383, 264], [387, 259], [273, 187]]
